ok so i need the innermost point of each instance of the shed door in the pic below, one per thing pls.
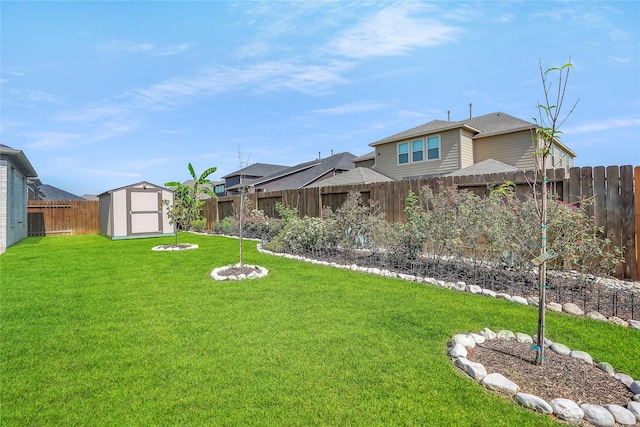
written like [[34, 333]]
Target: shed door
[[145, 211]]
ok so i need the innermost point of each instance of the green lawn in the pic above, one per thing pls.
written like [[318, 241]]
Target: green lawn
[[100, 332]]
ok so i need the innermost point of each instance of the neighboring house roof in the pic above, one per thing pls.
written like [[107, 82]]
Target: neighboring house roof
[[352, 177], [301, 175], [364, 157], [257, 169], [19, 160], [92, 197], [49, 192], [484, 167], [482, 127]]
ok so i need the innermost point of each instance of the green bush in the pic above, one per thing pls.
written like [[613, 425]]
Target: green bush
[[198, 224], [225, 226]]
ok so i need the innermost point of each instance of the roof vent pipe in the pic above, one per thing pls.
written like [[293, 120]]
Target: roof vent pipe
[[448, 115], [319, 156], [470, 111]]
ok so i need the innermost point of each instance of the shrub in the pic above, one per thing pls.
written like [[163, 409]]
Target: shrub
[[225, 226], [198, 224], [359, 225], [303, 236]]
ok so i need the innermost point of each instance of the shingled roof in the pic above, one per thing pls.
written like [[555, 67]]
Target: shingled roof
[[303, 174], [481, 126], [49, 192], [257, 169], [352, 177], [485, 167]]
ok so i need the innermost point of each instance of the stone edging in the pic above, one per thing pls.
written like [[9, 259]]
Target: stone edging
[[253, 275], [569, 308], [564, 409], [181, 247]]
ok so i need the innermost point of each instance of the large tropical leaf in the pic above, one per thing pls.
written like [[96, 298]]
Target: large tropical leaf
[[192, 172], [205, 174]]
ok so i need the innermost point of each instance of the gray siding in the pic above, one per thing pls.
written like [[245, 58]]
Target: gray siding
[[466, 141], [514, 149], [13, 205], [387, 158]]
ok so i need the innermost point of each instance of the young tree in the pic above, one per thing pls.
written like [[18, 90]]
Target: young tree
[[551, 118], [187, 197], [243, 189]]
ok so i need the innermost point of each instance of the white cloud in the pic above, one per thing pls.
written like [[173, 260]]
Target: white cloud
[[359, 107], [52, 140], [602, 126], [107, 173], [395, 30], [126, 46], [173, 50], [266, 76]]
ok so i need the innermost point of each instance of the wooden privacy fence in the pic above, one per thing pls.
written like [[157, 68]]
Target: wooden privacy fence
[[615, 206], [46, 218]]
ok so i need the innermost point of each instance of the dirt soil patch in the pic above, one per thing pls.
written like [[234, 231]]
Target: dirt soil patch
[[559, 377]]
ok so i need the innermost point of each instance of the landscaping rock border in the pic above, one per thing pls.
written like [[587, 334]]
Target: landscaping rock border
[[565, 409], [178, 247], [261, 272], [568, 308]]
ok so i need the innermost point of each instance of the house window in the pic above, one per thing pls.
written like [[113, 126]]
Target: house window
[[218, 188], [417, 151], [433, 147], [414, 151], [403, 153]]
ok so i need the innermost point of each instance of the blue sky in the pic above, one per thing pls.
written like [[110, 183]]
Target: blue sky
[[104, 94]]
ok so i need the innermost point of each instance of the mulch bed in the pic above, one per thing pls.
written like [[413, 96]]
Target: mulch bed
[[589, 296], [559, 377]]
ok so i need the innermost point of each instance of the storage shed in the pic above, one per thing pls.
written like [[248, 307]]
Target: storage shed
[[135, 211]]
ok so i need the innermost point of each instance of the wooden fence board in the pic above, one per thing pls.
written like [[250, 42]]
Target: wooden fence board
[[575, 190], [636, 174], [586, 179], [614, 204], [600, 194], [627, 220]]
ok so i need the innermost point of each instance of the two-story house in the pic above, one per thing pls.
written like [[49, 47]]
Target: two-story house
[[440, 147]]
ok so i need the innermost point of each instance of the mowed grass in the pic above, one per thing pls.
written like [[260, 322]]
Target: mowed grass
[[100, 332]]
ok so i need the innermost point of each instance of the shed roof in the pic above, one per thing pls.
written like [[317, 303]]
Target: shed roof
[[135, 185]]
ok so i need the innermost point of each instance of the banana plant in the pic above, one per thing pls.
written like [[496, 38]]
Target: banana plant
[[187, 196]]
